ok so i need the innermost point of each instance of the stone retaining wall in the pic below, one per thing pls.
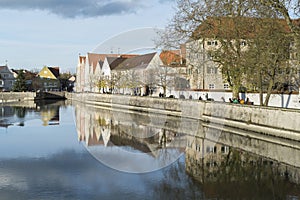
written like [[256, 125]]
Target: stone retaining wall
[[278, 122], [6, 97]]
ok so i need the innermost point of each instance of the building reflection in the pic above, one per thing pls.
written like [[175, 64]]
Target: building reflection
[[102, 127], [49, 111], [220, 169], [220, 161]]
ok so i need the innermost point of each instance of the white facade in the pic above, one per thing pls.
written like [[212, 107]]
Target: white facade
[[202, 72]]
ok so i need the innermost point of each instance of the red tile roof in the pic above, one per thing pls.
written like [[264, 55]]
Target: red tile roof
[[242, 27], [171, 57], [94, 58]]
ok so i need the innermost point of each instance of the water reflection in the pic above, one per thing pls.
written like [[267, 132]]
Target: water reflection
[[49, 111], [133, 141], [196, 162], [223, 170], [227, 164], [16, 114]]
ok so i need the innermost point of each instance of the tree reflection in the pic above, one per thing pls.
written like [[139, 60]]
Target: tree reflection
[[20, 112], [241, 175], [176, 184]]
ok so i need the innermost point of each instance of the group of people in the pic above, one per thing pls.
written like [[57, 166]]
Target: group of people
[[240, 101]]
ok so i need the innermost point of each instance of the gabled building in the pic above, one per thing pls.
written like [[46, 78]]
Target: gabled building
[[49, 79], [202, 71], [128, 73], [88, 68], [133, 75], [176, 59], [7, 78]]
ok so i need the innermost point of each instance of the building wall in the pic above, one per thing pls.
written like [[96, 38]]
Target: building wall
[[7, 77], [203, 73]]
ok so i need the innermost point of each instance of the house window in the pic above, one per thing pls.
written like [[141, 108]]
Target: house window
[[209, 56], [226, 86], [211, 86], [243, 43], [45, 84], [211, 43], [211, 149], [1, 82], [224, 149], [212, 70]]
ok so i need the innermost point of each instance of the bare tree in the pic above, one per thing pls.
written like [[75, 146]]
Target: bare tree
[[267, 62], [163, 76], [229, 22]]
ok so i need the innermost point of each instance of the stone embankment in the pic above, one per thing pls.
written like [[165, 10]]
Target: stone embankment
[[270, 121], [8, 97]]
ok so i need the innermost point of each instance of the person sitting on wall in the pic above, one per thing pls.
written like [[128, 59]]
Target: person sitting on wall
[[200, 98], [247, 100], [235, 100], [230, 100]]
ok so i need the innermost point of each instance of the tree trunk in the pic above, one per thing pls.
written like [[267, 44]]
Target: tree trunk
[[269, 92], [165, 91], [235, 91], [261, 94]]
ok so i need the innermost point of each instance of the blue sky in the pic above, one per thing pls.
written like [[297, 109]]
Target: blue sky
[[35, 33]]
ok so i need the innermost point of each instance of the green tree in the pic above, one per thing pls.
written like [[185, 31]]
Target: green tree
[[20, 83]]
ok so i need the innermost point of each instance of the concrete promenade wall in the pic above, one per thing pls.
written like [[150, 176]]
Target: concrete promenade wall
[[6, 97], [278, 122]]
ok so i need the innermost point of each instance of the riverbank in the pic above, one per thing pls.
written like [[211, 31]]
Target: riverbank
[[277, 122], [8, 97]]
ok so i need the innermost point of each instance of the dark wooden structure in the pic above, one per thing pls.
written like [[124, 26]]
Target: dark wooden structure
[[50, 95]]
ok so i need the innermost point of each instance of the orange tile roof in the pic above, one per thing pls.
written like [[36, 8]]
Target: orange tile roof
[[171, 57]]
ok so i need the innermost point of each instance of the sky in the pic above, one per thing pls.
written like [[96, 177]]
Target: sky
[[35, 33]]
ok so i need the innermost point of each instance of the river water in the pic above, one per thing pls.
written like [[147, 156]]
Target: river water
[[55, 150]]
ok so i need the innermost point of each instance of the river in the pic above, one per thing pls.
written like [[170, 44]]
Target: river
[[56, 150]]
